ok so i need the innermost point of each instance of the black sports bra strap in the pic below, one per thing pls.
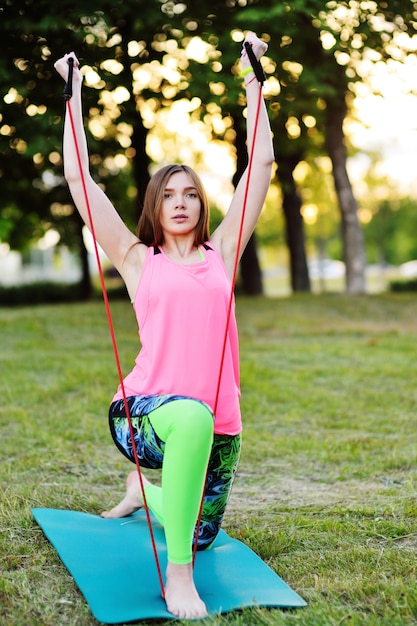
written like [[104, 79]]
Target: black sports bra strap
[[156, 250]]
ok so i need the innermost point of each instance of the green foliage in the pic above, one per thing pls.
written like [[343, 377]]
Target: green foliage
[[403, 286], [311, 76], [52, 293], [37, 293], [391, 232], [216, 217]]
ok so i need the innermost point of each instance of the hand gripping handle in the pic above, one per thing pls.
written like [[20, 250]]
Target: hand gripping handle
[[256, 65], [68, 86]]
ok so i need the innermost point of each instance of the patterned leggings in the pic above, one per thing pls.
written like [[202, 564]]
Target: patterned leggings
[[149, 414]]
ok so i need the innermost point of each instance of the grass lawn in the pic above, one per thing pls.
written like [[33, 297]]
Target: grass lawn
[[327, 488]]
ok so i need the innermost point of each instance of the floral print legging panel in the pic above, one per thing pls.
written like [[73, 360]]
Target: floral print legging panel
[[223, 462]]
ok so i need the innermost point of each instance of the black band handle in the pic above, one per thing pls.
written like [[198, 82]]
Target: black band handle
[[68, 86], [256, 65]]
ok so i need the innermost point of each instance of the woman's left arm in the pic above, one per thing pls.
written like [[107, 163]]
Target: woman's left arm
[[225, 237]]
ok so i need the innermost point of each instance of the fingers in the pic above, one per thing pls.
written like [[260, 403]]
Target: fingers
[[259, 47], [61, 65]]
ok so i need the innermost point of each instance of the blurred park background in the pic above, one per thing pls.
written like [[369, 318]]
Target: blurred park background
[[162, 85], [326, 488]]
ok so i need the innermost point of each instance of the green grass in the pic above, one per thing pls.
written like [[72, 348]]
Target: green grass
[[326, 491]]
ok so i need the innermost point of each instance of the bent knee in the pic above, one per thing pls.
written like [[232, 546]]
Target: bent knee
[[194, 414], [182, 417]]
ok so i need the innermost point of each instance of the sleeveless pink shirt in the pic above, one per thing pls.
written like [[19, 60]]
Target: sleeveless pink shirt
[[181, 312]]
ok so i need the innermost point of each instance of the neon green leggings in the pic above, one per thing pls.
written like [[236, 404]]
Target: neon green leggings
[[175, 433], [186, 427]]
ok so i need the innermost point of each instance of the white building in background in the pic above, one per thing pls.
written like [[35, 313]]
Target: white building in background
[[55, 264], [46, 262]]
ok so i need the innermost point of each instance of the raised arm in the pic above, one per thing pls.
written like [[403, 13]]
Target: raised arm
[[111, 233], [225, 238]]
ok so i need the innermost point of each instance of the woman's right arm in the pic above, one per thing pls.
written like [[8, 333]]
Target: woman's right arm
[[117, 241]]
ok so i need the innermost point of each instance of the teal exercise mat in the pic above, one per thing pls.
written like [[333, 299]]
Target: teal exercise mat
[[112, 562]]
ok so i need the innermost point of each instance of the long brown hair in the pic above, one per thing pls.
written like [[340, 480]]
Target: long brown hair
[[149, 229]]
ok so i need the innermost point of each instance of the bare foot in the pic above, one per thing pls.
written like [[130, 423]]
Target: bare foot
[[181, 596], [133, 499]]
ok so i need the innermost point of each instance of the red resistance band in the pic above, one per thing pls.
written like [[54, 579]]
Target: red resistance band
[[67, 96], [115, 348]]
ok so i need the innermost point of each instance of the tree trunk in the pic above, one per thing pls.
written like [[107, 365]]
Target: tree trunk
[[291, 204], [250, 271], [352, 234], [141, 161]]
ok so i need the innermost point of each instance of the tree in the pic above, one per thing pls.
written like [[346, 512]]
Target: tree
[[317, 48], [34, 194], [108, 38]]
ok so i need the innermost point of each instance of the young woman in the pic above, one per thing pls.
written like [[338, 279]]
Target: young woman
[[179, 280]]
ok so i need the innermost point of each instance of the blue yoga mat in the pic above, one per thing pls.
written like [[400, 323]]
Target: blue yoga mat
[[112, 562]]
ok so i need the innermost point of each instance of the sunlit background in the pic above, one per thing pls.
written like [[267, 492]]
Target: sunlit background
[[381, 129]]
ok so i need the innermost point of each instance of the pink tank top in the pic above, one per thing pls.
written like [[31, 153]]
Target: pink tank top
[[181, 312]]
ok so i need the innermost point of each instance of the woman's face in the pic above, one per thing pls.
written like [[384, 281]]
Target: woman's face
[[181, 205]]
